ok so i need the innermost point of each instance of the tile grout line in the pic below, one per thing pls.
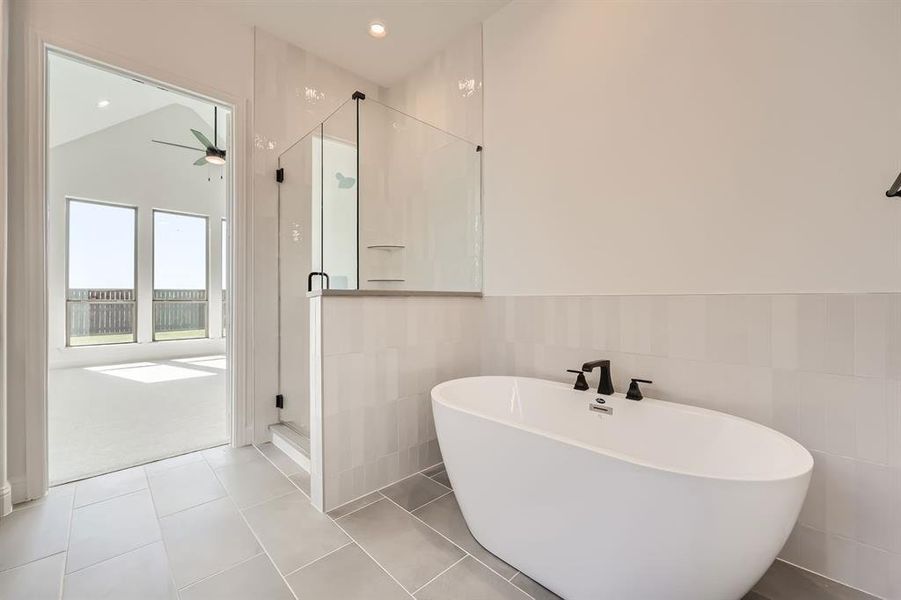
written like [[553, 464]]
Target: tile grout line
[[315, 560], [261, 502], [219, 572], [447, 493], [381, 496], [159, 526], [456, 562], [286, 475], [457, 545], [120, 555], [62, 582], [366, 552], [254, 533]]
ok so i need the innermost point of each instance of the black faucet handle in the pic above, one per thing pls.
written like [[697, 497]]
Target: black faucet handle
[[581, 383], [634, 392]]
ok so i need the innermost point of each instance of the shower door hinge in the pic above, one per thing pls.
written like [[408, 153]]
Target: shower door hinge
[[279, 401], [280, 175]]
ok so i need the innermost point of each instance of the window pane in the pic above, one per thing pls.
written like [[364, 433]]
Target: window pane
[[100, 299], [179, 276]]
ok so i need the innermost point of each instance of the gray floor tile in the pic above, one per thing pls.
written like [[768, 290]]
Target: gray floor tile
[[346, 509], [408, 549], [753, 596], [253, 481], [786, 582], [106, 529], [533, 588], [302, 481], [140, 574], [255, 578], [183, 487], [221, 456], [206, 539], [281, 460], [38, 580], [347, 574], [470, 580], [413, 492], [109, 486], [432, 471], [293, 532], [155, 468], [444, 516], [36, 531], [442, 478]]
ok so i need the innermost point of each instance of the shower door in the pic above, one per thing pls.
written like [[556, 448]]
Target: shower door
[[298, 193]]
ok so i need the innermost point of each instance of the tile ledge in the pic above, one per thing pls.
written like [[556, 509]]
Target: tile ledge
[[399, 293]]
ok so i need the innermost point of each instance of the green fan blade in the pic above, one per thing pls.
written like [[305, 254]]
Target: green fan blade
[[200, 161], [206, 143]]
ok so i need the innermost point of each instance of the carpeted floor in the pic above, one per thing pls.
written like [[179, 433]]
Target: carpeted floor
[[108, 417]]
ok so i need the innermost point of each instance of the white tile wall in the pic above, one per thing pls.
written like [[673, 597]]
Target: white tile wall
[[824, 369], [380, 358]]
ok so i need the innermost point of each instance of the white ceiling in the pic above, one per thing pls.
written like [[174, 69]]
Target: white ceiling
[[337, 30], [75, 88]]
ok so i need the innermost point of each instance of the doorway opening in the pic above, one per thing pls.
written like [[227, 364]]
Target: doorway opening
[[138, 179]]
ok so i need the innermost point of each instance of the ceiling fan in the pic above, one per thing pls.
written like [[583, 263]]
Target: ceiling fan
[[213, 155]]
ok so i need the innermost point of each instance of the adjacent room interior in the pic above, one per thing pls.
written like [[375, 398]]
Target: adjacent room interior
[[137, 273]]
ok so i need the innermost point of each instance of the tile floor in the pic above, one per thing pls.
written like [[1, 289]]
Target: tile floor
[[237, 524]]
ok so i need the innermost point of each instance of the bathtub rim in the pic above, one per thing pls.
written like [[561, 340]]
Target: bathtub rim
[[435, 396]]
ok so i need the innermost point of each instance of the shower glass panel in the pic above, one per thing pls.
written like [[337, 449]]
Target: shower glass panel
[[420, 204], [298, 234], [340, 187], [377, 200]]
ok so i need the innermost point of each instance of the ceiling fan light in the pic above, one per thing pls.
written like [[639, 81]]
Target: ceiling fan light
[[215, 159]]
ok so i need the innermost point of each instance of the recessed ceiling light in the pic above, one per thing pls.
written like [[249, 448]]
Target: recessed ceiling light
[[377, 29], [103, 103]]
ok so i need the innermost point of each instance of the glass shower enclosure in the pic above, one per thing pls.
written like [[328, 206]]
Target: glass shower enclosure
[[370, 199]]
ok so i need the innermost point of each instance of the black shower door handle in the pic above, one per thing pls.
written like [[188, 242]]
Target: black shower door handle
[[322, 274]]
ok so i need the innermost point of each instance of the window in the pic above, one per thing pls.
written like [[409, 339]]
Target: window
[[180, 290], [100, 273], [224, 278]]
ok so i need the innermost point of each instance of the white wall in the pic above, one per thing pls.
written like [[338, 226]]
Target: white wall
[[696, 191], [446, 90], [121, 165], [654, 147], [147, 38], [294, 92]]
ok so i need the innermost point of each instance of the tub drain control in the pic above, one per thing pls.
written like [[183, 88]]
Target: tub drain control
[[600, 400]]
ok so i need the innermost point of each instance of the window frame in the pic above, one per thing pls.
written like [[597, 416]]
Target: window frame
[[153, 301], [134, 208]]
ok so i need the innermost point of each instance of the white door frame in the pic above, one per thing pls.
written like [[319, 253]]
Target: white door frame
[[240, 338]]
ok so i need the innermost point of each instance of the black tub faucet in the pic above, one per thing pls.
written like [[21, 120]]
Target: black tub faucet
[[581, 384], [634, 392], [605, 386]]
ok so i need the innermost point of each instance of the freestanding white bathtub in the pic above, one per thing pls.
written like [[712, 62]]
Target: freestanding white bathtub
[[656, 501]]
